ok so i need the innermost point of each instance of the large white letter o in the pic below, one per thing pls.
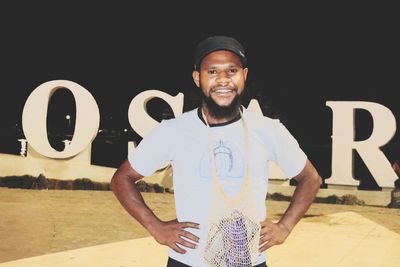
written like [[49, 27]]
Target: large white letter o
[[34, 118]]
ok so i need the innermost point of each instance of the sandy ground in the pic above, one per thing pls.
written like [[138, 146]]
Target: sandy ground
[[34, 222]]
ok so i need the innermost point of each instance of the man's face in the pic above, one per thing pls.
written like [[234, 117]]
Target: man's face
[[221, 78]]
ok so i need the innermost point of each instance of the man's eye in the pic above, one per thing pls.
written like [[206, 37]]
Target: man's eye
[[233, 70], [212, 72]]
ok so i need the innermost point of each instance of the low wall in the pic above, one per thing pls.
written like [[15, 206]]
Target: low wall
[[72, 169], [53, 168], [378, 198]]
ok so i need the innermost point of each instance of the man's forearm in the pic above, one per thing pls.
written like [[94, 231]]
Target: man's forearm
[[302, 198], [169, 233], [131, 199]]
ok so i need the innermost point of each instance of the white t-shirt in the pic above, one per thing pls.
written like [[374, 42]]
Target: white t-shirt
[[183, 142]]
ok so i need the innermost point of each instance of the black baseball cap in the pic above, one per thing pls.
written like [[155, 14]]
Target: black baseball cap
[[215, 43]]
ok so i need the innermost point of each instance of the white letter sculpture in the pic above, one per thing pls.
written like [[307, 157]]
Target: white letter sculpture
[[384, 128], [34, 118], [138, 117]]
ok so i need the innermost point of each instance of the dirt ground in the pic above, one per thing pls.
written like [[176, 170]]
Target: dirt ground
[[37, 222]]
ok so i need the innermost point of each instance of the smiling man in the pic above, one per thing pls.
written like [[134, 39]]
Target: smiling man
[[222, 79], [219, 154]]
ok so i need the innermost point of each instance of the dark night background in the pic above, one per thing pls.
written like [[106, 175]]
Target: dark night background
[[299, 58]]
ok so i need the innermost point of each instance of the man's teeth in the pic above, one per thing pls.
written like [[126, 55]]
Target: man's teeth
[[223, 91]]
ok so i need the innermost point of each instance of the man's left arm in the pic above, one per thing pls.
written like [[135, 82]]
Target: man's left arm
[[307, 188]]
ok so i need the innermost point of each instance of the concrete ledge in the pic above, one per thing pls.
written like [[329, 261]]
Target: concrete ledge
[[374, 198]]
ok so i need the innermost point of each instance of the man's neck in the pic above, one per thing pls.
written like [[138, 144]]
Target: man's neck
[[213, 120]]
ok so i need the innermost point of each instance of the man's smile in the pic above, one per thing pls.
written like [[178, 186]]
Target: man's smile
[[223, 91]]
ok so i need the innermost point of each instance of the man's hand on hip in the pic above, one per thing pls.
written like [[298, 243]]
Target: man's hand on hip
[[170, 234], [272, 234]]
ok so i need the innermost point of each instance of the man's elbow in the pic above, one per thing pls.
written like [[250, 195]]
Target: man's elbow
[[113, 182], [311, 180], [317, 181], [314, 180], [309, 176], [116, 180]]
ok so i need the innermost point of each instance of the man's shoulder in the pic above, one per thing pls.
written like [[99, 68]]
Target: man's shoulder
[[260, 119], [182, 119]]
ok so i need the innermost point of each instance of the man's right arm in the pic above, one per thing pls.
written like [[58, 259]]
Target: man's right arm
[[396, 167], [168, 233]]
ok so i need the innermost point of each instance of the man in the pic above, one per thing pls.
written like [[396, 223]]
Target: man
[[395, 193], [396, 167], [220, 144]]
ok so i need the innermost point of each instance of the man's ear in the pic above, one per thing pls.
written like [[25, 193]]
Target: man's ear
[[245, 71], [196, 77]]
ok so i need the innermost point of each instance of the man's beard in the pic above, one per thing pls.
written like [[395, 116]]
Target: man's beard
[[222, 112]]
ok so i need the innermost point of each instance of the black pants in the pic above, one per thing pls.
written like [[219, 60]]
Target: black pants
[[174, 263]]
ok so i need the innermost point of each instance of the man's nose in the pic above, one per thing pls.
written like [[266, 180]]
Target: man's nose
[[223, 77]]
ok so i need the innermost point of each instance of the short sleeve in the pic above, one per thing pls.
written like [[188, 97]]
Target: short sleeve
[[287, 152], [154, 151]]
